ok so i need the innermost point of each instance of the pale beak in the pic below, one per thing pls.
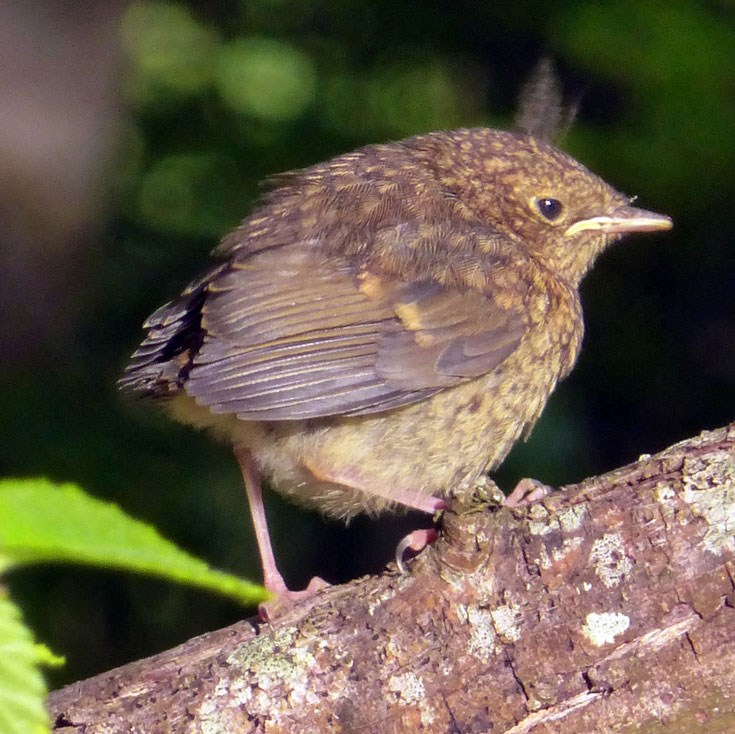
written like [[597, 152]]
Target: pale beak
[[623, 219]]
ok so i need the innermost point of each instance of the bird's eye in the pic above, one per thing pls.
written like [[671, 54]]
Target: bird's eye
[[549, 208]]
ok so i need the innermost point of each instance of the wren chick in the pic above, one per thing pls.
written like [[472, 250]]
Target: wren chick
[[385, 325]]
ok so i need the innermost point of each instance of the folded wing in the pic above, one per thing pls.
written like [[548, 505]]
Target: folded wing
[[287, 334]]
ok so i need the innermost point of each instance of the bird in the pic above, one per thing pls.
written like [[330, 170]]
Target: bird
[[384, 326]]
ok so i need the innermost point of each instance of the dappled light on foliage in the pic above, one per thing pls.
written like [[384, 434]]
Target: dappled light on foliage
[[267, 79], [189, 194], [172, 55]]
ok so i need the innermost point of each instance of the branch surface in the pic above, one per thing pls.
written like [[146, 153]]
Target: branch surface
[[607, 607]]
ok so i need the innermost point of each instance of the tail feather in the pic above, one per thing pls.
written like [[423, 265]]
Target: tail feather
[[161, 364]]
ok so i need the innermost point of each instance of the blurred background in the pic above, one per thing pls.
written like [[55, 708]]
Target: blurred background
[[133, 136]]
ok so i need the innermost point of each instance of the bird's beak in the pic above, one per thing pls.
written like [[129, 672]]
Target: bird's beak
[[623, 219]]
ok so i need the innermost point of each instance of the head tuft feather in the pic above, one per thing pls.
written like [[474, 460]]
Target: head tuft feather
[[541, 110]]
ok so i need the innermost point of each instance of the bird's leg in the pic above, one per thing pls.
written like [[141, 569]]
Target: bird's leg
[[272, 578], [526, 492], [415, 541], [424, 503], [352, 480]]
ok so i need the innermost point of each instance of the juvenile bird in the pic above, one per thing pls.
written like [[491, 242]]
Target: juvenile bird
[[385, 325]]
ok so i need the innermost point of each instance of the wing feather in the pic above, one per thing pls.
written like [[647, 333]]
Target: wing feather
[[289, 335]]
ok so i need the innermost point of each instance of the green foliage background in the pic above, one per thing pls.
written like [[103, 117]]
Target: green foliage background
[[218, 95]]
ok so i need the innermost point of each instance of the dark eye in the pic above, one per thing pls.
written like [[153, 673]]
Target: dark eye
[[550, 209]]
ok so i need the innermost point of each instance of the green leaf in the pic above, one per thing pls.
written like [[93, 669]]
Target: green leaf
[[48, 658], [44, 522], [22, 688]]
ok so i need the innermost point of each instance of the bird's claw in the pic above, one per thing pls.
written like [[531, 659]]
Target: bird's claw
[[527, 492], [283, 598], [415, 541]]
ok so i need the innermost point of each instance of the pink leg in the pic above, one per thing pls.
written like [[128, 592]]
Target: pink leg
[[414, 500], [272, 579], [427, 503], [415, 541]]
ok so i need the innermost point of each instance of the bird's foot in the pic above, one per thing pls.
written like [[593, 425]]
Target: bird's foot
[[283, 598], [527, 492], [415, 542]]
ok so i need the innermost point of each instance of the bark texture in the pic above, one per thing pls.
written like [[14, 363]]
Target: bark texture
[[607, 607]]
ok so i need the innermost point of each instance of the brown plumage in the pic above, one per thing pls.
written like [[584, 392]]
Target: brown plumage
[[385, 325]]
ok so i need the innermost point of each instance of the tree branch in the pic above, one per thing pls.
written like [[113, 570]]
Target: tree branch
[[606, 607]]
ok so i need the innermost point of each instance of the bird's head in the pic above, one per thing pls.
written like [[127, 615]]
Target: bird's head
[[562, 213]]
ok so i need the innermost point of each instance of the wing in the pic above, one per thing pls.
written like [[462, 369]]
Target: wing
[[288, 334]]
